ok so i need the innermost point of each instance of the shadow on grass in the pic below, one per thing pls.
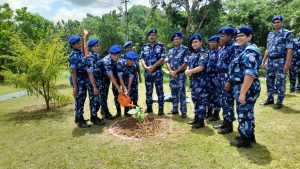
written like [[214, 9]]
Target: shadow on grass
[[24, 115], [288, 110], [178, 118], [207, 131], [78, 132], [258, 154], [289, 96]]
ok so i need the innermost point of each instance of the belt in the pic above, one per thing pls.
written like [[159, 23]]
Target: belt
[[242, 81], [276, 56], [216, 71]]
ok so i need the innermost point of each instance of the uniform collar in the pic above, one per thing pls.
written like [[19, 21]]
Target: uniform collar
[[230, 42], [280, 31], [213, 51], [201, 49], [153, 45], [179, 47], [76, 51]]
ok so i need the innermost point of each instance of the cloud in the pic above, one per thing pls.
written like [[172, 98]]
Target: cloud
[[95, 3], [33, 6], [77, 13], [57, 10]]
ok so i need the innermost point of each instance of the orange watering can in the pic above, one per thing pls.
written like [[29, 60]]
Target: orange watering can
[[125, 100]]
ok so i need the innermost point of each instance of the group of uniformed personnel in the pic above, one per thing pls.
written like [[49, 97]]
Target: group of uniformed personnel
[[225, 74]]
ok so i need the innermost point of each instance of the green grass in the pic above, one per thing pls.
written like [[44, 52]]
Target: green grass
[[5, 89], [33, 138]]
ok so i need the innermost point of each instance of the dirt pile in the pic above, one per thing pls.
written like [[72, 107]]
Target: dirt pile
[[129, 128]]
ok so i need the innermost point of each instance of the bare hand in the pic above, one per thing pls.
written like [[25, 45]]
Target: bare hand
[[227, 86], [286, 68], [242, 99], [150, 69], [85, 32], [96, 91], [187, 73], [128, 92], [173, 74], [75, 91], [120, 91]]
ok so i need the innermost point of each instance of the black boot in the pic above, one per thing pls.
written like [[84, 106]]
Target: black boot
[[243, 142], [199, 124], [209, 113], [126, 109], [173, 112], [97, 121], [161, 112], [194, 121], [118, 107], [149, 110], [81, 122], [251, 138], [108, 115], [102, 112], [267, 102], [220, 126], [215, 116], [227, 129]]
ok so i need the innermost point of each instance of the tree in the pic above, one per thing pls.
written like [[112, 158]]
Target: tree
[[190, 7], [32, 27], [37, 69], [107, 28]]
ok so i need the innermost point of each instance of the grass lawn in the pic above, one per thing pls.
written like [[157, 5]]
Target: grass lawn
[[5, 89], [33, 138]]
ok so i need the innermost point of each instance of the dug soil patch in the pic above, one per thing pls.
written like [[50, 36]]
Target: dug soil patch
[[129, 128]]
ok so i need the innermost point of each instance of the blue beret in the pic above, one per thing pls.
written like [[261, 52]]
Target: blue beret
[[152, 31], [177, 34], [214, 38], [279, 17], [227, 30], [244, 29], [115, 49], [92, 42], [195, 36], [74, 39], [131, 55], [129, 43]]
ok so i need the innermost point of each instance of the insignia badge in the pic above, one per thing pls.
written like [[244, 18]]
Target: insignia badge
[[251, 57]]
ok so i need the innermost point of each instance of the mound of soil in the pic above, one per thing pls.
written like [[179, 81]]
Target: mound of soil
[[129, 128]]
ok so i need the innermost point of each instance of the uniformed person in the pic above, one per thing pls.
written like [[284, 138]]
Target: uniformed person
[[108, 69], [213, 103], [94, 78], [277, 60], [137, 75], [152, 57], [177, 63], [295, 69], [226, 55], [126, 72], [78, 79], [198, 80], [243, 79]]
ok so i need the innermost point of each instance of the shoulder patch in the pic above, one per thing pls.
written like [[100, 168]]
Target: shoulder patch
[[251, 57]]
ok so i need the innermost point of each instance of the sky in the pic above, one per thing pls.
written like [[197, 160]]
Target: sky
[[57, 10]]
